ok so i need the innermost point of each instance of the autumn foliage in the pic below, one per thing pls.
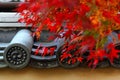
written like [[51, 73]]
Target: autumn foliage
[[85, 23]]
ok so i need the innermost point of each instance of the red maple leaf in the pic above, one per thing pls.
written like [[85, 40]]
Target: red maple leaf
[[35, 7], [119, 36], [79, 59], [95, 57], [107, 14], [91, 56], [51, 37], [64, 56], [72, 60], [101, 54], [113, 54], [54, 2], [95, 62], [84, 8], [71, 47], [22, 6], [47, 21], [52, 50], [37, 51], [110, 45], [117, 18], [89, 42], [45, 51], [67, 34]]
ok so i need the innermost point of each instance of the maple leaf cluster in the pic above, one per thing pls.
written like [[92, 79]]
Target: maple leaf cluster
[[85, 23]]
